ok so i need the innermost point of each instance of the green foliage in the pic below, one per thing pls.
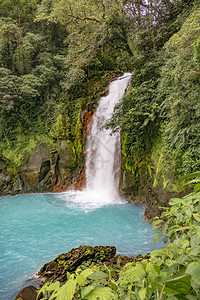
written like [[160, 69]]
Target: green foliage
[[12, 153], [94, 30], [197, 51], [52, 54], [31, 76], [75, 283], [58, 130], [19, 10], [159, 115], [195, 180], [179, 87], [43, 86], [98, 275], [9, 89], [139, 107], [26, 51]]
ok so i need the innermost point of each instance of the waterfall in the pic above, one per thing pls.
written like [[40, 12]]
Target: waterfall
[[103, 160]]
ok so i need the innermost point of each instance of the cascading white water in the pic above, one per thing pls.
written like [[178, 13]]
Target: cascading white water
[[103, 156], [103, 159]]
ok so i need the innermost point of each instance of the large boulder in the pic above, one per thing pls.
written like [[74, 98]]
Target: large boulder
[[46, 168], [57, 269], [35, 168]]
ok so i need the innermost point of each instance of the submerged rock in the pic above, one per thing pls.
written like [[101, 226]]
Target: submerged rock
[[57, 269]]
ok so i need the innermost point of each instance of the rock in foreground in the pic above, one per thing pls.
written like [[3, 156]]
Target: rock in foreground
[[57, 269], [28, 293]]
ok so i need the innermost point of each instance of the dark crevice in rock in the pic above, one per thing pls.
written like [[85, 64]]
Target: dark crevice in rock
[[44, 169]]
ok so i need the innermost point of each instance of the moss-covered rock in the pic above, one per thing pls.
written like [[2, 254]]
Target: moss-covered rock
[[84, 257], [140, 187], [46, 168], [57, 269]]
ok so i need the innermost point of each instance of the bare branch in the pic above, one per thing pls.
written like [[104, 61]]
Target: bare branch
[[83, 18]]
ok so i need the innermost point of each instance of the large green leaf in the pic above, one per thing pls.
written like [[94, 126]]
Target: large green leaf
[[98, 275], [158, 253], [81, 278], [87, 272], [54, 286], [48, 287], [156, 238], [194, 270], [178, 285], [67, 291], [190, 176], [100, 293], [86, 290], [197, 188], [175, 201], [135, 272], [142, 293]]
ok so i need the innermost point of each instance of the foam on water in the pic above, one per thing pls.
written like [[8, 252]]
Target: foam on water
[[88, 200]]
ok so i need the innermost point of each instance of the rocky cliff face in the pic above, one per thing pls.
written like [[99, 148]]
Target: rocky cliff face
[[44, 170], [141, 187]]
